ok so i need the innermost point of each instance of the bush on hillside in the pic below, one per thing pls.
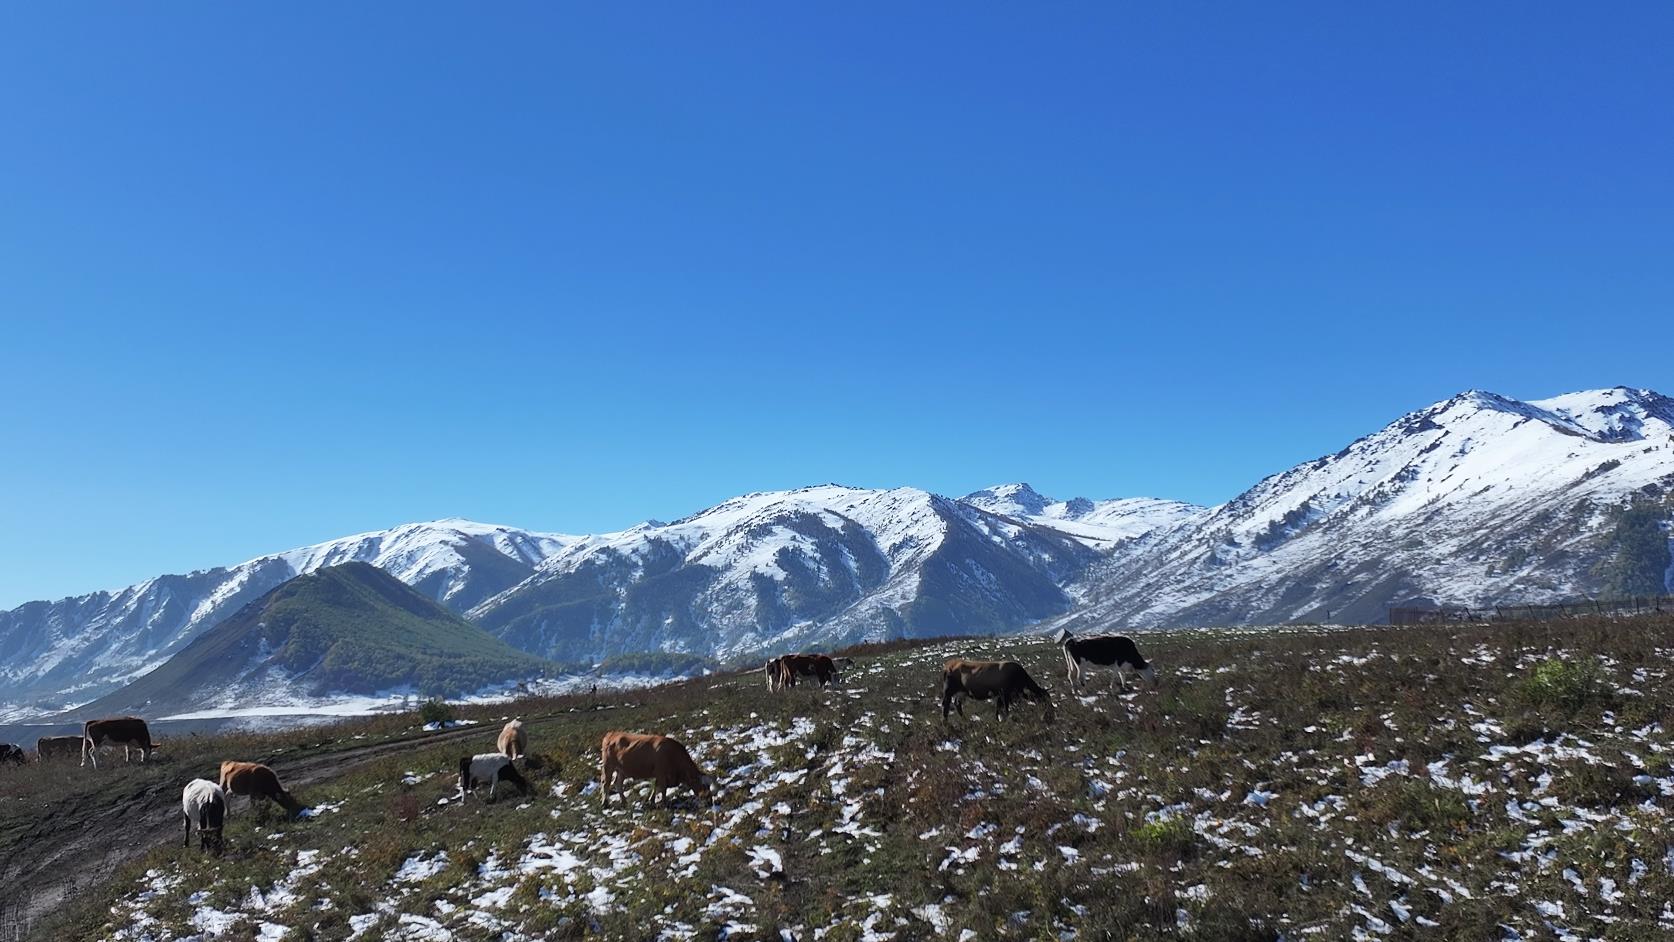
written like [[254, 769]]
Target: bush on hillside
[[435, 711]]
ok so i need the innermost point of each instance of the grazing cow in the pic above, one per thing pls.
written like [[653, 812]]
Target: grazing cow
[[661, 759], [129, 732], [490, 768], [1118, 651], [514, 742], [818, 666], [203, 803], [58, 747], [257, 781], [1000, 681], [10, 752]]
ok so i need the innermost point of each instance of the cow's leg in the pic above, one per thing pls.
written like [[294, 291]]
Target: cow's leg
[[187, 842], [1122, 676], [1069, 666]]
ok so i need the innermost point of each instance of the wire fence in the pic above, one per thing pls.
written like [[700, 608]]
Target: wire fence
[[1639, 605]]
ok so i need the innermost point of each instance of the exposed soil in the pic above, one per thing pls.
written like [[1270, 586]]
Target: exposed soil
[[76, 844]]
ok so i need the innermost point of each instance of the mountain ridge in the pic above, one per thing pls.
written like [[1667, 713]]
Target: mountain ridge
[[347, 629], [1476, 498]]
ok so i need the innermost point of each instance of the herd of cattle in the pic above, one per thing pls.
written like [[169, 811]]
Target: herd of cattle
[[623, 756]]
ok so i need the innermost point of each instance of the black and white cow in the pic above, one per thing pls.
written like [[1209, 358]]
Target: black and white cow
[[489, 768], [1117, 651], [204, 804], [11, 752]]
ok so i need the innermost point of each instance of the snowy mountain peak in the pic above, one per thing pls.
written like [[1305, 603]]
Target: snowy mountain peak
[[1616, 414], [1017, 500], [1099, 524], [1476, 499]]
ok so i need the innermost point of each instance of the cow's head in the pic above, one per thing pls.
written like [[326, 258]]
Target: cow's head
[[1063, 636]]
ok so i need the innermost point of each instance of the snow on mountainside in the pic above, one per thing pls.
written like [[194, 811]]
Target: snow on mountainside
[[1475, 500], [1100, 524], [827, 563], [79, 648]]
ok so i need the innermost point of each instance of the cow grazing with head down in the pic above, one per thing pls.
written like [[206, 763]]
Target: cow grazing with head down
[[513, 742], [1000, 681], [204, 804], [489, 768], [1116, 651], [257, 781], [662, 759], [129, 732], [11, 752], [791, 666], [58, 747]]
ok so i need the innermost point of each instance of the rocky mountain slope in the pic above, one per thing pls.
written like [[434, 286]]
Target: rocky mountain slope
[[824, 564], [349, 629], [56, 653], [1472, 501]]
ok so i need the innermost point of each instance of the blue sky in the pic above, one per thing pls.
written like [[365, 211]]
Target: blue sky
[[274, 275]]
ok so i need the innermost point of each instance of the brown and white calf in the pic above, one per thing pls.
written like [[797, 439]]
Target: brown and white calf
[[489, 768], [1116, 651], [662, 759], [1000, 681], [513, 742], [204, 803], [129, 732], [58, 747], [257, 781]]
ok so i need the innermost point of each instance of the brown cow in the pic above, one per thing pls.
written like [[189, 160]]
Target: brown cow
[[257, 781], [129, 732], [1001, 681], [818, 666], [513, 742], [57, 747], [661, 759]]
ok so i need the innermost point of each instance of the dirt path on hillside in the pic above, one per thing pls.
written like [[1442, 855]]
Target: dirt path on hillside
[[74, 846]]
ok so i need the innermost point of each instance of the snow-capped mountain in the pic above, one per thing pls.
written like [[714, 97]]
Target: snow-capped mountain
[[78, 648], [1101, 524], [1477, 500], [339, 631], [826, 563]]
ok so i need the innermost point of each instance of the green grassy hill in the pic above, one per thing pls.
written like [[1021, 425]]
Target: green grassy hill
[[348, 629], [1449, 782]]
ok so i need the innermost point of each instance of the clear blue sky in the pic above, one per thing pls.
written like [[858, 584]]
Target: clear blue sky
[[274, 274]]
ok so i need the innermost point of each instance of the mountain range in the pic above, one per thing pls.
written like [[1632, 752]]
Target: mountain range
[[1477, 499], [349, 629]]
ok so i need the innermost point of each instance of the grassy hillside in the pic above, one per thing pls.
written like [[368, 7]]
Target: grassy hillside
[[343, 629], [1447, 783]]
